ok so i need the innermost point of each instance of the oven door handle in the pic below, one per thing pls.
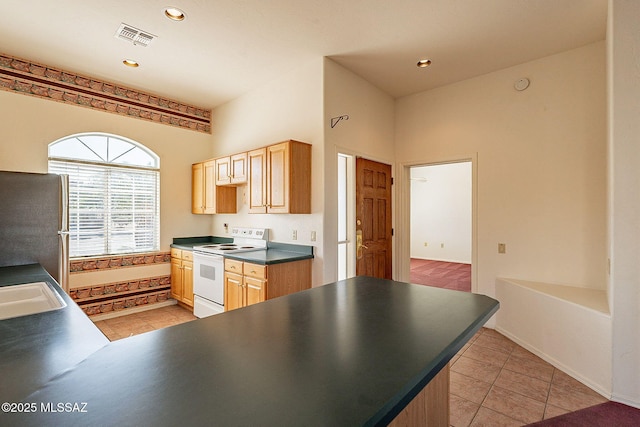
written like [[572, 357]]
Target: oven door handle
[[207, 255]]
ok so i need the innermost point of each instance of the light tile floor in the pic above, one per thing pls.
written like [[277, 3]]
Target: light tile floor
[[134, 324], [494, 382]]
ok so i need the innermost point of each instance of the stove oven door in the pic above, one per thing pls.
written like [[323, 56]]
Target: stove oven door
[[208, 284]]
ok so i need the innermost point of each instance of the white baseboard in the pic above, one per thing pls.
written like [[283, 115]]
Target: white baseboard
[[557, 364]]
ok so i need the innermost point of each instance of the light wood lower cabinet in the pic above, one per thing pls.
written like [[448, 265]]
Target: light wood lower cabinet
[[233, 291], [182, 276], [247, 283]]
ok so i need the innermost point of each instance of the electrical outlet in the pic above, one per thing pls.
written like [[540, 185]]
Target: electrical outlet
[[502, 248], [294, 235], [313, 236]]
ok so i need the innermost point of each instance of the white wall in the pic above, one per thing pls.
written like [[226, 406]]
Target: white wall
[[623, 43], [369, 133], [541, 168], [287, 108], [441, 212], [29, 124]]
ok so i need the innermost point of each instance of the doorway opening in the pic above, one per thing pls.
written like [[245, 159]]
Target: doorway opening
[[346, 216], [441, 223]]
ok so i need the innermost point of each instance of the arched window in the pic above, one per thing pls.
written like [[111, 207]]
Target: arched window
[[114, 193]]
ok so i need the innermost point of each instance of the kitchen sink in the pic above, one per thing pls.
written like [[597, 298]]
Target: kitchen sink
[[29, 298]]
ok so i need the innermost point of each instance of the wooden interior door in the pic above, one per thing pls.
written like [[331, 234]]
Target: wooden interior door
[[373, 219]]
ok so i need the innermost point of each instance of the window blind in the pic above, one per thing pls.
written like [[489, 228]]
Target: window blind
[[112, 210]]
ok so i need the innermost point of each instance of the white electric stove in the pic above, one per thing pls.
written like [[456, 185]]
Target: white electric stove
[[208, 268]]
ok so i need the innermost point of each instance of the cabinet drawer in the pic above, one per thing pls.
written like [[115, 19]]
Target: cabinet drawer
[[176, 253], [233, 266], [187, 255], [255, 270]]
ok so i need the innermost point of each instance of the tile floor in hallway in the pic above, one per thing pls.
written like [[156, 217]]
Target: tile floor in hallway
[[494, 382]]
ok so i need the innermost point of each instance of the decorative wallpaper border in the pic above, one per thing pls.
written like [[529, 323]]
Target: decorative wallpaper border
[[93, 309], [105, 263], [119, 289], [29, 78]]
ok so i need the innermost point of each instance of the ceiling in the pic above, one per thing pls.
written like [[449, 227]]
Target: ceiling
[[225, 48]]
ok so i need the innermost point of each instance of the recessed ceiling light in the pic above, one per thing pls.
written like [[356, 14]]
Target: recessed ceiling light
[[130, 63], [174, 14], [423, 63]]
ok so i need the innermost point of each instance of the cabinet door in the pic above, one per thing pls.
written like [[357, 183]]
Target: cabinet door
[[223, 171], [278, 178], [176, 279], [209, 187], [187, 282], [255, 289], [233, 291], [197, 188], [238, 166], [257, 180]]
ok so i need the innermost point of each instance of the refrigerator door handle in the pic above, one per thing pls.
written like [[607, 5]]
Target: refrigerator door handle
[[63, 263], [64, 182]]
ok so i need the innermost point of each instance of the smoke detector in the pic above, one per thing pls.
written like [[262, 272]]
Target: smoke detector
[[134, 35]]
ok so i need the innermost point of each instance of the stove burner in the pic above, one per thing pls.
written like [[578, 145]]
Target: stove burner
[[244, 240], [227, 248]]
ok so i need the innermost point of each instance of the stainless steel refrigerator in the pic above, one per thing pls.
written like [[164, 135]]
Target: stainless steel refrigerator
[[34, 222]]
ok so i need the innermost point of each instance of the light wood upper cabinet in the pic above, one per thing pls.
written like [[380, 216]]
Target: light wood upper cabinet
[[280, 178], [209, 187], [231, 170], [257, 160], [197, 188], [206, 196]]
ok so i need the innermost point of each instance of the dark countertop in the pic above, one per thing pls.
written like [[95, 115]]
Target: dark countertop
[[349, 353], [35, 348], [276, 253], [189, 242]]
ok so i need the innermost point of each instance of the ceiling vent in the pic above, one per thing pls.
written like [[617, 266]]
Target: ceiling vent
[[134, 35]]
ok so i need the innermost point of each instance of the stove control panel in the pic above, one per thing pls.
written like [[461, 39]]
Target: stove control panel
[[250, 233]]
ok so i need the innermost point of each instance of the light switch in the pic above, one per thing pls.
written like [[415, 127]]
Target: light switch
[[502, 248]]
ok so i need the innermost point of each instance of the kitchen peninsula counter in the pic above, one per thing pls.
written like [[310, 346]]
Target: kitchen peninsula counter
[[355, 352], [34, 349]]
